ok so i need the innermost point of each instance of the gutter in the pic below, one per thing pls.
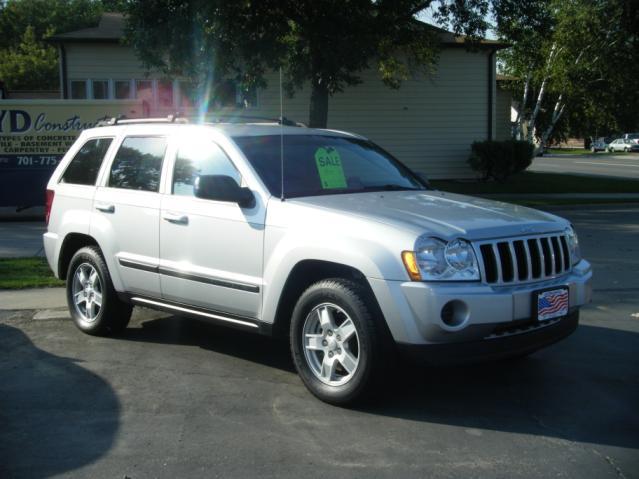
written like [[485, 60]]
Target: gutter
[[64, 84], [491, 80]]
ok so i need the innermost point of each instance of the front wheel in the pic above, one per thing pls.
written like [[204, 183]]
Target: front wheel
[[93, 302], [336, 340]]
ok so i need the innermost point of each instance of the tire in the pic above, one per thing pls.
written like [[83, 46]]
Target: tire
[[626, 150], [99, 311], [593, 150], [323, 312]]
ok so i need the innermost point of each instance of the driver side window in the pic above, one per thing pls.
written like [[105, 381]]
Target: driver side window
[[198, 158]]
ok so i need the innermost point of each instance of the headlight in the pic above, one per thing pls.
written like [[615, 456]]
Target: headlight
[[573, 245], [437, 260]]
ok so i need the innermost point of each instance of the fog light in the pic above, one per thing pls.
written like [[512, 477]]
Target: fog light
[[454, 313]]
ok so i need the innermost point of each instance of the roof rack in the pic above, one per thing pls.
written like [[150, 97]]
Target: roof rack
[[215, 119]]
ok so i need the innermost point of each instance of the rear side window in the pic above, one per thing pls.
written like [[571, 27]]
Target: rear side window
[[85, 165], [138, 163]]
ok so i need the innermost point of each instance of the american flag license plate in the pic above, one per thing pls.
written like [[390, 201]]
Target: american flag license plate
[[552, 303]]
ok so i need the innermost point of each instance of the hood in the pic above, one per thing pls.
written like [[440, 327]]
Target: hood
[[441, 214]]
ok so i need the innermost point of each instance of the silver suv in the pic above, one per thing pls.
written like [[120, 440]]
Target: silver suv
[[348, 253]]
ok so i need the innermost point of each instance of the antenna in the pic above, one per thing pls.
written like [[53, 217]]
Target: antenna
[[281, 139]]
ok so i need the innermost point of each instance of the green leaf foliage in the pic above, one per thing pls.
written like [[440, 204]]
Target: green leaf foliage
[[324, 43], [27, 61], [586, 52]]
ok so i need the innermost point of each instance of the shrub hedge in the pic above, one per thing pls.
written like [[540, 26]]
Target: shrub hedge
[[500, 159]]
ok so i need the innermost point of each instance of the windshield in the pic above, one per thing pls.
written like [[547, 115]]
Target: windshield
[[318, 164]]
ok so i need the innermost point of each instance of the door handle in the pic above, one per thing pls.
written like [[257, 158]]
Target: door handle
[[105, 208], [176, 218]]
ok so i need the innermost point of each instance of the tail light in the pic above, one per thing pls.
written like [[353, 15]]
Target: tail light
[[48, 205]]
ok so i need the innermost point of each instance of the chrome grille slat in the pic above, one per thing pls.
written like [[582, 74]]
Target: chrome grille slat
[[523, 259], [498, 262], [513, 258]]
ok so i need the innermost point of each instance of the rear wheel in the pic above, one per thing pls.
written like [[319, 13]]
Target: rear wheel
[[336, 341], [93, 302]]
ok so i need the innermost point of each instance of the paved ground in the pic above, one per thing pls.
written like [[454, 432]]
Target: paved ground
[[21, 238], [622, 166], [173, 398]]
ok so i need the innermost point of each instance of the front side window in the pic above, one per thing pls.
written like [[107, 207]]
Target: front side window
[[318, 164], [85, 165], [138, 164], [196, 159]]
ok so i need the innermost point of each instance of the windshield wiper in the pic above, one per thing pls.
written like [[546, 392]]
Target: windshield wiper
[[390, 188]]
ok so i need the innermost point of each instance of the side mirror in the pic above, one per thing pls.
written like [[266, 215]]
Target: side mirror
[[223, 188]]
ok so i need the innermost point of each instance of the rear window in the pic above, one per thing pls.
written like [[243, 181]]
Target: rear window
[[85, 165], [138, 163]]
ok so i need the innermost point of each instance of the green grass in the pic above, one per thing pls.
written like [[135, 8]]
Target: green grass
[[581, 151], [20, 273], [572, 151], [529, 182]]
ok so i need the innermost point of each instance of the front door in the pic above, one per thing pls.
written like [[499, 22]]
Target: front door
[[210, 251]]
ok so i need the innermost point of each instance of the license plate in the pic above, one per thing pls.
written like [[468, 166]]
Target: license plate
[[551, 303]]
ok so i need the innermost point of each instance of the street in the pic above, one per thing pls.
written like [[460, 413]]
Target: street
[[621, 166], [177, 398]]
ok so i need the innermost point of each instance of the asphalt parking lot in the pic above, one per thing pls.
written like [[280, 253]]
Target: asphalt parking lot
[[174, 398], [598, 164]]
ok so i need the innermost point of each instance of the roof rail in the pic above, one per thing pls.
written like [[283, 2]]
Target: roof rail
[[179, 117], [123, 120]]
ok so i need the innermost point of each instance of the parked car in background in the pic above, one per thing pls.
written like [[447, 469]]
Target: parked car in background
[[634, 137], [622, 144], [600, 144]]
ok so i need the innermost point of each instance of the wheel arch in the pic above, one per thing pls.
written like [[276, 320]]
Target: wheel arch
[[72, 242], [304, 274]]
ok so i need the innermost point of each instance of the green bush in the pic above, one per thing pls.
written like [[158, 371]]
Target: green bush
[[499, 159]]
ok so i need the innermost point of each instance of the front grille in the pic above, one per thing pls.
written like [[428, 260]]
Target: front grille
[[522, 260]]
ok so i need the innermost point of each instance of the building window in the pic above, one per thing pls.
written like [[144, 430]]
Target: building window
[[100, 89], [78, 89], [122, 89], [144, 90], [165, 94], [188, 93], [246, 96], [227, 94]]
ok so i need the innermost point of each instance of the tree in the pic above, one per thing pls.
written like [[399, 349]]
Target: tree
[[575, 60], [324, 43], [28, 62], [31, 65]]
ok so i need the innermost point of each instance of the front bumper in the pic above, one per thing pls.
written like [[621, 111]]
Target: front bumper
[[520, 340], [413, 310]]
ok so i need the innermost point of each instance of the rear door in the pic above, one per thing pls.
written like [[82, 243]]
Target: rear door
[[127, 212], [210, 251]]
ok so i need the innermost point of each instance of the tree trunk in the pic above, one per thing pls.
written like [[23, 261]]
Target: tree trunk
[[556, 115], [318, 113], [519, 121], [540, 97]]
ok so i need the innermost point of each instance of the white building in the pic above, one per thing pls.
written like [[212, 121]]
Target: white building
[[429, 123]]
